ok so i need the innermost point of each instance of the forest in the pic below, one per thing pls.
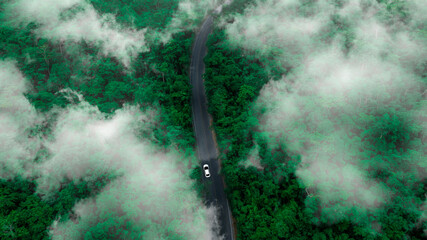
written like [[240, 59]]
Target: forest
[[64, 75], [319, 108], [322, 126]]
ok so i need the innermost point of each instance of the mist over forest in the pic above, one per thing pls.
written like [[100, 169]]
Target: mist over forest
[[319, 109]]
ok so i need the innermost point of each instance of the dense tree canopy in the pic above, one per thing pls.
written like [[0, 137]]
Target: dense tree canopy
[[157, 78], [300, 160], [263, 157]]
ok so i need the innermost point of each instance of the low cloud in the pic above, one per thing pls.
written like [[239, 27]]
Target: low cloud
[[276, 28], [150, 191], [17, 116], [147, 192], [132, 207], [189, 15], [336, 81], [77, 20], [253, 158]]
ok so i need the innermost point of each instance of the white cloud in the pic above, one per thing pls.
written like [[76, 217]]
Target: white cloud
[[145, 207], [86, 24], [253, 158], [331, 88], [331, 168], [418, 9], [147, 188], [149, 191], [272, 25], [16, 117], [188, 15]]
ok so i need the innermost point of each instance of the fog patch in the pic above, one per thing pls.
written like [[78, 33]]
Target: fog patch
[[77, 20], [124, 202], [218, 10], [335, 81], [189, 16], [277, 29], [17, 116], [253, 159], [147, 188]]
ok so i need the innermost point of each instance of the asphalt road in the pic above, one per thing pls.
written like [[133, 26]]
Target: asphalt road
[[206, 148]]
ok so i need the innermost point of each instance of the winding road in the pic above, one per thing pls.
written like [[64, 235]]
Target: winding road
[[206, 149]]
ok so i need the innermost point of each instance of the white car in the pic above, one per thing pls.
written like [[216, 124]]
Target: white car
[[206, 170]]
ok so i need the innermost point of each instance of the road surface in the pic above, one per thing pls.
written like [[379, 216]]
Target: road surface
[[206, 148]]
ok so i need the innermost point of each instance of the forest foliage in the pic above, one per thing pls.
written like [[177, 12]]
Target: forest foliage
[[267, 117], [270, 196], [156, 79]]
